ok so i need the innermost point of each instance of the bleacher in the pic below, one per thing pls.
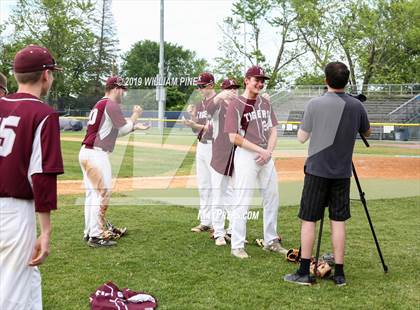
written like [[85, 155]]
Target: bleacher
[[384, 104]]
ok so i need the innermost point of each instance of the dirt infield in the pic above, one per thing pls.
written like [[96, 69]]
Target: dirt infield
[[288, 169]]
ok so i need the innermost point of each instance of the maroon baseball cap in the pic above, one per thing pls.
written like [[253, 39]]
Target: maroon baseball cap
[[205, 78], [115, 82], [34, 58], [256, 71], [229, 84]]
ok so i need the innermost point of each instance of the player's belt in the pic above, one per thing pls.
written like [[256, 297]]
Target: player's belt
[[206, 141], [90, 147]]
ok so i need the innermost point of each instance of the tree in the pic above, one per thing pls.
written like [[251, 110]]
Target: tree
[[106, 45], [276, 16], [140, 68], [64, 28]]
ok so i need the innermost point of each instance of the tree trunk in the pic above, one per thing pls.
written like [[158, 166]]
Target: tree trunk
[[369, 69]]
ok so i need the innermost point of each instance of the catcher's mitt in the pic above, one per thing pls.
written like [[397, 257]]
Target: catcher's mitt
[[293, 255], [323, 269]]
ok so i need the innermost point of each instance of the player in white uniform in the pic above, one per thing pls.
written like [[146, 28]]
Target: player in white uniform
[[251, 125], [30, 159], [106, 123], [222, 163], [200, 124]]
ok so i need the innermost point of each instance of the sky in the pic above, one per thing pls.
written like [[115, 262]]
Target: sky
[[191, 24]]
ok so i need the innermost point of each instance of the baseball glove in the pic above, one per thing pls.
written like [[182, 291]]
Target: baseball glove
[[293, 255], [328, 258], [323, 269], [260, 242], [114, 232]]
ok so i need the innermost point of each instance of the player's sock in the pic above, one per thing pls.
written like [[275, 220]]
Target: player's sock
[[304, 266], [339, 270]]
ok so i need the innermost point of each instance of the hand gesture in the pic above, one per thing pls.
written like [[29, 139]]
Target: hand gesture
[[266, 96], [190, 109], [141, 126], [41, 250], [263, 157], [138, 110], [224, 95]]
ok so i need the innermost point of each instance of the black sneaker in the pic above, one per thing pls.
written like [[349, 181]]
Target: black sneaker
[[86, 238], [98, 242], [299, 279], [339, 280]]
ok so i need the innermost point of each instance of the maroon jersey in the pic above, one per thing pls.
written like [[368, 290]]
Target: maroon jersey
[[252, 119], [29, 146], [202, 117], [105, 119], [222, 149], [108, 296]]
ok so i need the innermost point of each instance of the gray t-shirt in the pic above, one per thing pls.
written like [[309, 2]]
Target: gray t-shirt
[[333, 120]]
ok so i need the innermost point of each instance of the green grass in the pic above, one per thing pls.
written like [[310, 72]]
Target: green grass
[[384, 148], [186, 271], [129, 161]]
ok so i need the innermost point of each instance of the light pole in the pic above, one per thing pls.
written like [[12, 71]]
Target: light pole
[[160, 87]]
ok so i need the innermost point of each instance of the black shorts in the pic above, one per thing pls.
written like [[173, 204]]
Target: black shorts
[[319, 193]]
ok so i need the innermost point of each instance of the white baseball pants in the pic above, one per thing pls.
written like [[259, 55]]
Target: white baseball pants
[[222, 199], [97, 178], [249, 175], [202, 162], [20, 284]]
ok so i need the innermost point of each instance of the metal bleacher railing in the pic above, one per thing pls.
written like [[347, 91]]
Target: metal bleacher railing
[[391, 108]]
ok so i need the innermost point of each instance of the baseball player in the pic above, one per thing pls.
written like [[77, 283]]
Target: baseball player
[[251, 125], [200, 124], [3, 85], [30, 159], [106, 123], [221, 163]]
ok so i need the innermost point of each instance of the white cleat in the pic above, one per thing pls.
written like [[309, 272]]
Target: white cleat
[[220, 241], [276, 247], [239, 253]]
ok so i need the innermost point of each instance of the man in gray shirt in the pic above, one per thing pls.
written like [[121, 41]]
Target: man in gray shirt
[[332, 122]]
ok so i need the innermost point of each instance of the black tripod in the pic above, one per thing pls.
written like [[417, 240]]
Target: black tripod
[[363, 200]]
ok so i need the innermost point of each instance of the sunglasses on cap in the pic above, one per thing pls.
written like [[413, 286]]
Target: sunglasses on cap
[[201, 86]]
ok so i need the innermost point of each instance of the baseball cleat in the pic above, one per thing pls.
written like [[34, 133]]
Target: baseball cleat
[[276, 247], [220, 241], [299, 279], [239, 253], [200, 228], [98, 242], [339, 280], [86, 238]]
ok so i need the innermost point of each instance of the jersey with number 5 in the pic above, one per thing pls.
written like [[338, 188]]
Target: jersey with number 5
[[29, 143], [104, 121]]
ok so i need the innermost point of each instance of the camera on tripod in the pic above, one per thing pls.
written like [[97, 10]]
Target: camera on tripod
[[360, 97]]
